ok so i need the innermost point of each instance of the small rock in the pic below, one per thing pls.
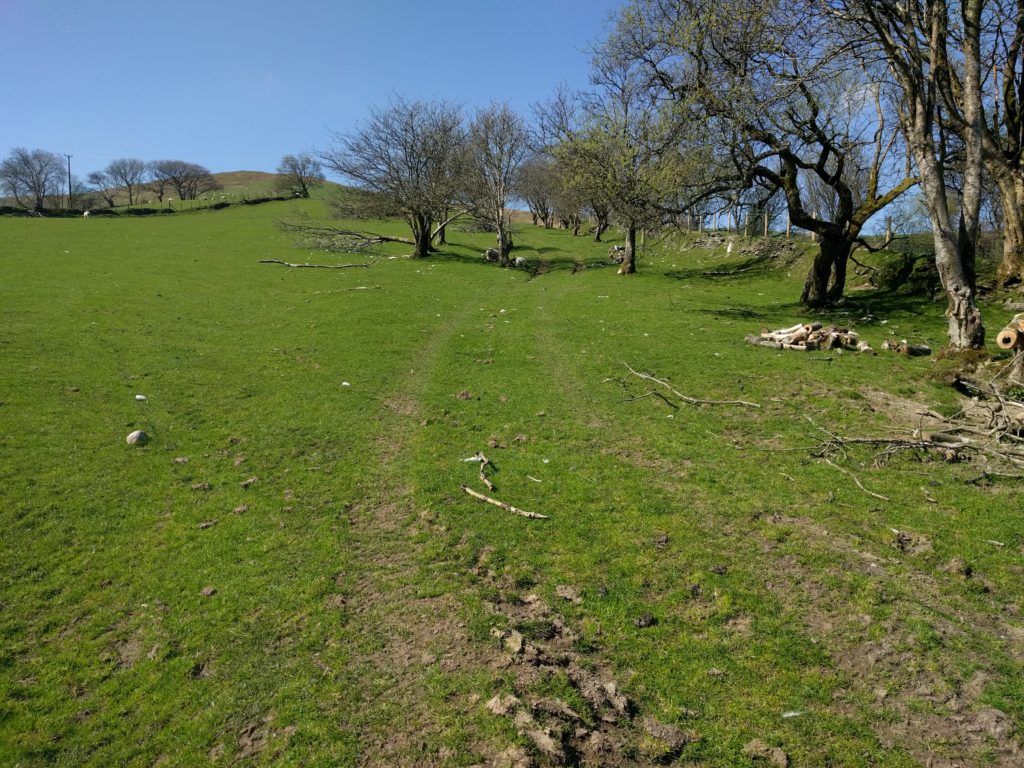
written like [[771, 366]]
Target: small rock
[[138, 437], [647, 620], [568, 593], [209, 591], [758, 750], [141, 398], [250, 482], [514, 642], [959, 567], [672, 737], [502, 705]]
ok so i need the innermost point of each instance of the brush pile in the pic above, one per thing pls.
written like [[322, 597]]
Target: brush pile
[[812, 336]]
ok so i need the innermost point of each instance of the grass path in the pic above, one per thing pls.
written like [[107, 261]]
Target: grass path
[[356, 588]]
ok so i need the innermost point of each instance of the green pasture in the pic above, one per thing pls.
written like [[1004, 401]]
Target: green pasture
[[351, 617]]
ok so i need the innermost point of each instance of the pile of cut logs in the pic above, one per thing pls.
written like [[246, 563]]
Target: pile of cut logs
[[810, 337]]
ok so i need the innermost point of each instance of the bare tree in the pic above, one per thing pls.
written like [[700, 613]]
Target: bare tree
[[30, 177], [537, 185], [298, 174], [102, 185], [189, 180], [128, 173], [405, 161], [918, 42], [496, 148]]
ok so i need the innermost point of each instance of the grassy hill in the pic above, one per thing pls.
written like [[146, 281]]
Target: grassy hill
[[290, 573]]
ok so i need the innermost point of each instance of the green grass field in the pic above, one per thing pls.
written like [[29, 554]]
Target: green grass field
[[309, 428]]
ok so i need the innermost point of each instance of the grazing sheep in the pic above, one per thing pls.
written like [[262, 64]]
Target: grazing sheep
[[520, 262], [85, 214], [617, 253], [492, 254]]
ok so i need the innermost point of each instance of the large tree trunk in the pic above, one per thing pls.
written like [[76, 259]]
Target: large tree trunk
[[831, 258], [628, 266], [599, 230], [840, 261], [1011, 193], [504, 242], [421, 237]]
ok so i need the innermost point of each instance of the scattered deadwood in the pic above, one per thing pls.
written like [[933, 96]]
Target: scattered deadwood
[[810, 337], [484, 461], [685, 398], [905, 348], [311, 266], [856, 480], [339, 239], [503, 505]]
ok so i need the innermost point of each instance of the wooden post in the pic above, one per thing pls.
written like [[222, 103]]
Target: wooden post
[[888, 230], [746, 224], [766, 223], [789, 225], [700, 222]]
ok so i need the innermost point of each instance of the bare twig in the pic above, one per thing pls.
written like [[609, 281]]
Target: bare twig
[[685, 398], [312, 266], [503, 505], [856, 480]]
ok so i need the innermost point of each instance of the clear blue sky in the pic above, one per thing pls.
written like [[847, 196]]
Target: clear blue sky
[[235, 85]]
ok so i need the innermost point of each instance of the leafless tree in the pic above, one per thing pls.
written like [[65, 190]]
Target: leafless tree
[[30, 177], [189, 180], [128, 173], [298, 174], [919, 41], [405, 161], [537, 185], [103, 186], [497, 145]]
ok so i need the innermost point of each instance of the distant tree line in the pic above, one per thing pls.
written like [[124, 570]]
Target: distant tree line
[[36, 180]]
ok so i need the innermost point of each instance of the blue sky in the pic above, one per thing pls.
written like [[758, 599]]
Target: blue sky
[[235, 85]]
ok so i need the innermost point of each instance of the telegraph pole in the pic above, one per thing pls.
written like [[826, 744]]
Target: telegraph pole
[[70, 204]]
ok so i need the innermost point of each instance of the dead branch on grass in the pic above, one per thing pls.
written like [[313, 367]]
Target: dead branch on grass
[[484, 461], [311, 266], [503, 505], [686, 398]]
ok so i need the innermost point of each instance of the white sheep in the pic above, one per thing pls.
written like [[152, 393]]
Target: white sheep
[[85, 214], [520, 262]]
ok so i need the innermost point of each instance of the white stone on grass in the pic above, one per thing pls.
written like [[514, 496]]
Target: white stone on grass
[[138, 437]]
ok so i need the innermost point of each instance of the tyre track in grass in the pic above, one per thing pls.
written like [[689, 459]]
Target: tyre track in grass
[[409, 637]]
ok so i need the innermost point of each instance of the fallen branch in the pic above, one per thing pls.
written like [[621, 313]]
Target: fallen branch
[[311, 266], [856, 480], [503, 505], [484, 461], [685, 398]]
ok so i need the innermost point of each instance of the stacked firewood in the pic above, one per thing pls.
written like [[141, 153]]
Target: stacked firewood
[[810, 337]]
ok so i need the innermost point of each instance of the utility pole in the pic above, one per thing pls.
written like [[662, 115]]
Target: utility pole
[[70, 204]]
